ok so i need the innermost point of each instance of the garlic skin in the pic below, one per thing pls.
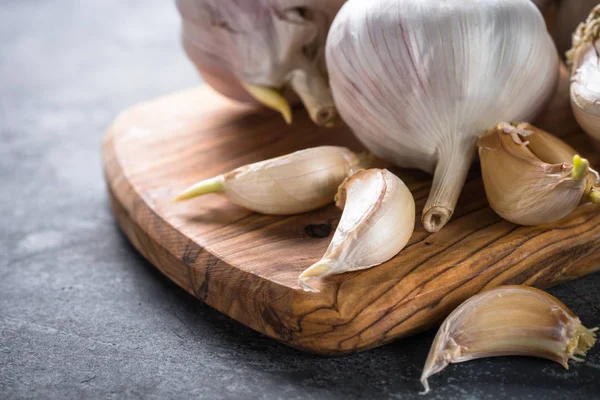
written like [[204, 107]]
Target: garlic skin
[[585, 78], [377, 223], [295, 183], [509, 321], [527, 178], [269, 44], [418, 81]]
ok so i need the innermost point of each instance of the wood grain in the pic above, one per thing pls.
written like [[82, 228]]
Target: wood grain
[[246, 265]]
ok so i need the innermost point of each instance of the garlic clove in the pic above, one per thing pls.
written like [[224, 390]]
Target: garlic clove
[[508, 320], [291, 184], [524, 189], [377, 222], [271, 98], [585, 75]]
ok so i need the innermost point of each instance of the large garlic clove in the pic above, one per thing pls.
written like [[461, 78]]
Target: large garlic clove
[[286, 185], [419, 81], [525, 189], [263, 43], [377, 222], [585, 79], [509, 320], [271, 98]]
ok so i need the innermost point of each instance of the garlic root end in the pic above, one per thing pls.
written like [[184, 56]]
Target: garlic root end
[[212, 185], [271, 98]]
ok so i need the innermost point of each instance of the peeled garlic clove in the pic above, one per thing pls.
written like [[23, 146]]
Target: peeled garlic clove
[[585, 78], [271, 98], [262, 43], [418, 82], [286, 185], [377, 222], [527, 190], [509, 320]]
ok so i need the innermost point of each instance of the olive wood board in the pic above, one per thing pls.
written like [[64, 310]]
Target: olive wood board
[[246, 265]]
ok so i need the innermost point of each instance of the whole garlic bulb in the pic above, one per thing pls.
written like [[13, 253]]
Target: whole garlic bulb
[[419, 80], [239, 45], [585, 79]]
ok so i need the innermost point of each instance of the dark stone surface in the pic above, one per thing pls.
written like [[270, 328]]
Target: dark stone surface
[[83, 316]]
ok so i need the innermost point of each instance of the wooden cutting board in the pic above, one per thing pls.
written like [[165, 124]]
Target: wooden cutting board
[[246, 265]]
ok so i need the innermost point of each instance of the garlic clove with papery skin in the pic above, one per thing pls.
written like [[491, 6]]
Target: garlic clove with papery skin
[[291, 184], [509, 321], [531, 177], [264, 45], [418, 81], [585, 75], [377, 222]]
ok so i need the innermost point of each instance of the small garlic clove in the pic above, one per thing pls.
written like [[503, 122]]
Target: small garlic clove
[[527, 190], [271, 98], [291, 184], [585, 75], [509, 320], [377, 222]]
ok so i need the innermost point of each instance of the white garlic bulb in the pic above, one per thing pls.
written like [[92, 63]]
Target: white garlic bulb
[[585, 80], [377, 222], [265, 45], [291, 184], [419, 80]]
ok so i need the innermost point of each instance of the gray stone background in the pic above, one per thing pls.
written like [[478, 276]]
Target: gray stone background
[[82, 315]]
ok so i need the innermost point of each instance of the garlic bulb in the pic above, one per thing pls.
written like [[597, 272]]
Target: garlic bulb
[[253, 50], [533, 182], [418, 81], [377, 222], [506, 321], [585, 80], [286, 185]]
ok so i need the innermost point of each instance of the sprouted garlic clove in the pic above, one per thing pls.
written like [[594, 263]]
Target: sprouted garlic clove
[[531, 177], [270, 98], [509, 320], [376, 224], [291, 184]]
